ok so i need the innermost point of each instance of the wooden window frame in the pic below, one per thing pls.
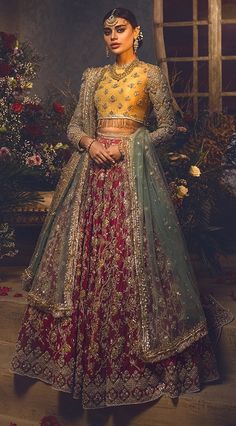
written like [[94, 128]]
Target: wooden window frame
[[214, 57]]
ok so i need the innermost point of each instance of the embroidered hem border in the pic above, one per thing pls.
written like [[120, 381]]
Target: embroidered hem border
[[178, 345], [158, 394]]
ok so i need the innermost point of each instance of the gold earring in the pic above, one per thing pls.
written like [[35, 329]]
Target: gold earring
[[107, 52], [135, 45]]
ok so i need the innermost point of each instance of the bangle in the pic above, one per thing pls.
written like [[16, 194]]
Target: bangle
[[89, 146]]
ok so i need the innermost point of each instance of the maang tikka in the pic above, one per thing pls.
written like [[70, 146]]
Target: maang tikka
[[110, 22], [112, 19]]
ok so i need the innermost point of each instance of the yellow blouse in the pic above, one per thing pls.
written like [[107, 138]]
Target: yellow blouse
[[120, 99], [125, 98]]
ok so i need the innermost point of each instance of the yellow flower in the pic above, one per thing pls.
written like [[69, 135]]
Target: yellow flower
[[3, 129], [58, 145], [194, 171], [28, 85], [12, 81], [182, 191]]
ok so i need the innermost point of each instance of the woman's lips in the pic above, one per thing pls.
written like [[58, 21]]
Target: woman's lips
[[115, 45]]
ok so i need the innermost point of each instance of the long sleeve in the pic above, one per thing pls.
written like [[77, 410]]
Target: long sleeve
[[75, 128], [160, 98]]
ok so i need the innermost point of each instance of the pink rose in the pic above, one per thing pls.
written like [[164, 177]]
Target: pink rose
[[34, 160], [4, 152]]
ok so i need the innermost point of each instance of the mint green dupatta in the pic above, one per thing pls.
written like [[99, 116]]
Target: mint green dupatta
[[51, 288], [172, 315]]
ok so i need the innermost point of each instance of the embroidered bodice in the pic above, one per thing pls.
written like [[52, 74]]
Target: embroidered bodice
[[125, 98], [99, 98]]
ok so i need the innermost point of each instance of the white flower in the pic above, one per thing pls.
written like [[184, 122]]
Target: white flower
[[182, 191], [194, 171]]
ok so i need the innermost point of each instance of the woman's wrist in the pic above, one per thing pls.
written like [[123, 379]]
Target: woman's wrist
[[90, 144], [86, 142]]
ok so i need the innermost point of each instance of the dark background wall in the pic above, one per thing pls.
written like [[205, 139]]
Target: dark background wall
[[68, 34]]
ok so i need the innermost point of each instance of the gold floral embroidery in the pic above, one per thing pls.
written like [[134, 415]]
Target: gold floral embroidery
[[124, 96]]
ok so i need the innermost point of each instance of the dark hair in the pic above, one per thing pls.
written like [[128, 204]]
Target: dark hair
[[121, 12]]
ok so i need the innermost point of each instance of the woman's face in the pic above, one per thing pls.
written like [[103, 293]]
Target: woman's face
[[120, 37]]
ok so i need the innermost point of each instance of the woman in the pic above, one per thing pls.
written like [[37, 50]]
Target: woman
[[114, 315]]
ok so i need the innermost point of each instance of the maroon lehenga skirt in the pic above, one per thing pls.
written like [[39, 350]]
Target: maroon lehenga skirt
[[93, 354]]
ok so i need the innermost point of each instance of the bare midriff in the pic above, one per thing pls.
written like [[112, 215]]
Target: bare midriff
[[120, 126]]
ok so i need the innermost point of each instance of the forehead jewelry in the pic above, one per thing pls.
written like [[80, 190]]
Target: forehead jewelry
[[112, 19]]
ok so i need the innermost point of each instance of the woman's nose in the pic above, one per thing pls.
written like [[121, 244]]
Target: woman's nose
[[113, 35]]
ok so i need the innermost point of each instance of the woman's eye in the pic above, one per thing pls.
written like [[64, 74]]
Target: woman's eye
[[118, 30]]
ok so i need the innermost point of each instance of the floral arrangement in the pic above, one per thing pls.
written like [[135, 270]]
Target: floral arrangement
[[31, 133], [194, 164], [33, 146]]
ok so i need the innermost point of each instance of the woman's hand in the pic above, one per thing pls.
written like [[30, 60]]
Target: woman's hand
[[114, 152], [100, 154]]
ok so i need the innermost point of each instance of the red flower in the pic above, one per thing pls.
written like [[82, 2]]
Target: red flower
[[49, 421], [17, 107], [33, 130], [5, 69], [12, 424], [58, 107], [4, 291], [18, 295]]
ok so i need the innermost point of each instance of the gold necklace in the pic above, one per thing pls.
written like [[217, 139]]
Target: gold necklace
[[128, 68]]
